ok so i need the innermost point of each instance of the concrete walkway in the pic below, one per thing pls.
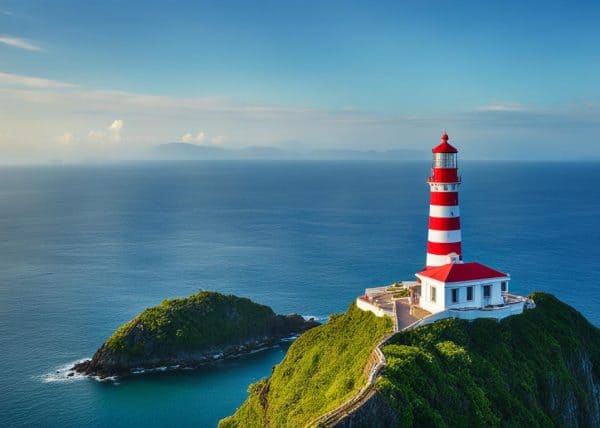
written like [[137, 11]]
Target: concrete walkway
[[404, 317]]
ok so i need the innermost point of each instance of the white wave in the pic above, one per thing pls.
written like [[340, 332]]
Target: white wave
[[141, 370], [290, 338], [111, 379], [264, 348], [319, 318], [63, 373]]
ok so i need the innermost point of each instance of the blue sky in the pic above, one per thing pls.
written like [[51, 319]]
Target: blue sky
[[106, 79]]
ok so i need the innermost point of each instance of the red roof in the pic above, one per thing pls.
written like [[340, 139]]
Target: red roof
[[444, 146], [458, 272]]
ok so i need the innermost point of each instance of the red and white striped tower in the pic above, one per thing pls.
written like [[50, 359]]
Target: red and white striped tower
[[444, 238]]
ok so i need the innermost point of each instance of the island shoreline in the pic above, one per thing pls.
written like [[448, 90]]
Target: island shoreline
[[191, 332]]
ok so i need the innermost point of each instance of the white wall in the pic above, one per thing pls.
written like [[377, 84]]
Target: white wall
[[369, 307], [497, 313], [478, 299], [444, 294], [425, 300], [471, 314], [375, 291]]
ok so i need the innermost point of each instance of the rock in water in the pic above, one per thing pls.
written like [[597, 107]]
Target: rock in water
[[191, 331]]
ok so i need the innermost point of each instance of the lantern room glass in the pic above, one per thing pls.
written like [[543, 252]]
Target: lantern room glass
[[444, 160]]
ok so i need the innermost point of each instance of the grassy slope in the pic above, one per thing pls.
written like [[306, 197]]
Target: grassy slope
[[322, 369], [175, 322], [485, 373]]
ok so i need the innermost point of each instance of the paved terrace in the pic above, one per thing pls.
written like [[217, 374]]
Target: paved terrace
[[399, 309]]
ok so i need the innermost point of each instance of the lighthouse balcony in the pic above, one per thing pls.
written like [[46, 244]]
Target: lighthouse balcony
[[512, 305], [394, 301], [444, 178]]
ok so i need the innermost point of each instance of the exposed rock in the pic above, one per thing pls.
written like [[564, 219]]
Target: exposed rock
[[376, 412]]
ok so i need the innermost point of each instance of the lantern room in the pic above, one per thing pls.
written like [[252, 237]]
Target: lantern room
[[445, 163]]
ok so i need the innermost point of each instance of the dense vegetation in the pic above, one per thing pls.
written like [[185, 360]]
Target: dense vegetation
[[175, 322], [536, 369], [191, 331], [323, 368]]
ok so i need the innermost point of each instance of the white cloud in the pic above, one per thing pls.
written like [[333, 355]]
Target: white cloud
[[17, 42], [114, 130], [189, 138], [219, 139], [96, 136], [201, 137], [9, 79], [128, 102], [112, 134], [502, 108], [65, 139], [116, 126], [56, 106]]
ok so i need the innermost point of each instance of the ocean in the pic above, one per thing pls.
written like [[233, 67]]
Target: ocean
[[85, 248]]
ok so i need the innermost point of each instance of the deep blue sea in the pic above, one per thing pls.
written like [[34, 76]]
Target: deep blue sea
[[85, 248]]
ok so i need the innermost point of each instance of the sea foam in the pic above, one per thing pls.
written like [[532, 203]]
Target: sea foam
[[63, 373]]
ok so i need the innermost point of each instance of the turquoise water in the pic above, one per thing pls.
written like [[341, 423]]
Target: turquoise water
[[85, 248]]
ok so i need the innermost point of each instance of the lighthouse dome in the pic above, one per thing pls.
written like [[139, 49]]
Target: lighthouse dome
[[444, 146]]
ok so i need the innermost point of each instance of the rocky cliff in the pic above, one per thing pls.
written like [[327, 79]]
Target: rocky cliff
[[188, 332]]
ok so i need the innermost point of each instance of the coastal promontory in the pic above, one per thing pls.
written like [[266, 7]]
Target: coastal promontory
[[190, 332], [540, 368]]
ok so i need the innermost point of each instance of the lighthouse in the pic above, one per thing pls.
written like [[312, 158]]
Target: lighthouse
[[448, 282], [448, 286], [444, 237]]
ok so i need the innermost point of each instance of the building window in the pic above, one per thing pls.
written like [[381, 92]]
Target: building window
[[455, 295], [469, 293], [504, 286], [433, 292], [487, 291]]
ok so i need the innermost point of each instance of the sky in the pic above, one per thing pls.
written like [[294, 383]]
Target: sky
[[109, 80]]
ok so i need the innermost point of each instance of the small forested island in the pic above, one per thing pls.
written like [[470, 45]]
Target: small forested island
[[540, 368], [190, 332]]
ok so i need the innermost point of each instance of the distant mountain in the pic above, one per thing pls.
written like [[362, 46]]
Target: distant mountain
[[187, 151], [190, 151], [397, 154]]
